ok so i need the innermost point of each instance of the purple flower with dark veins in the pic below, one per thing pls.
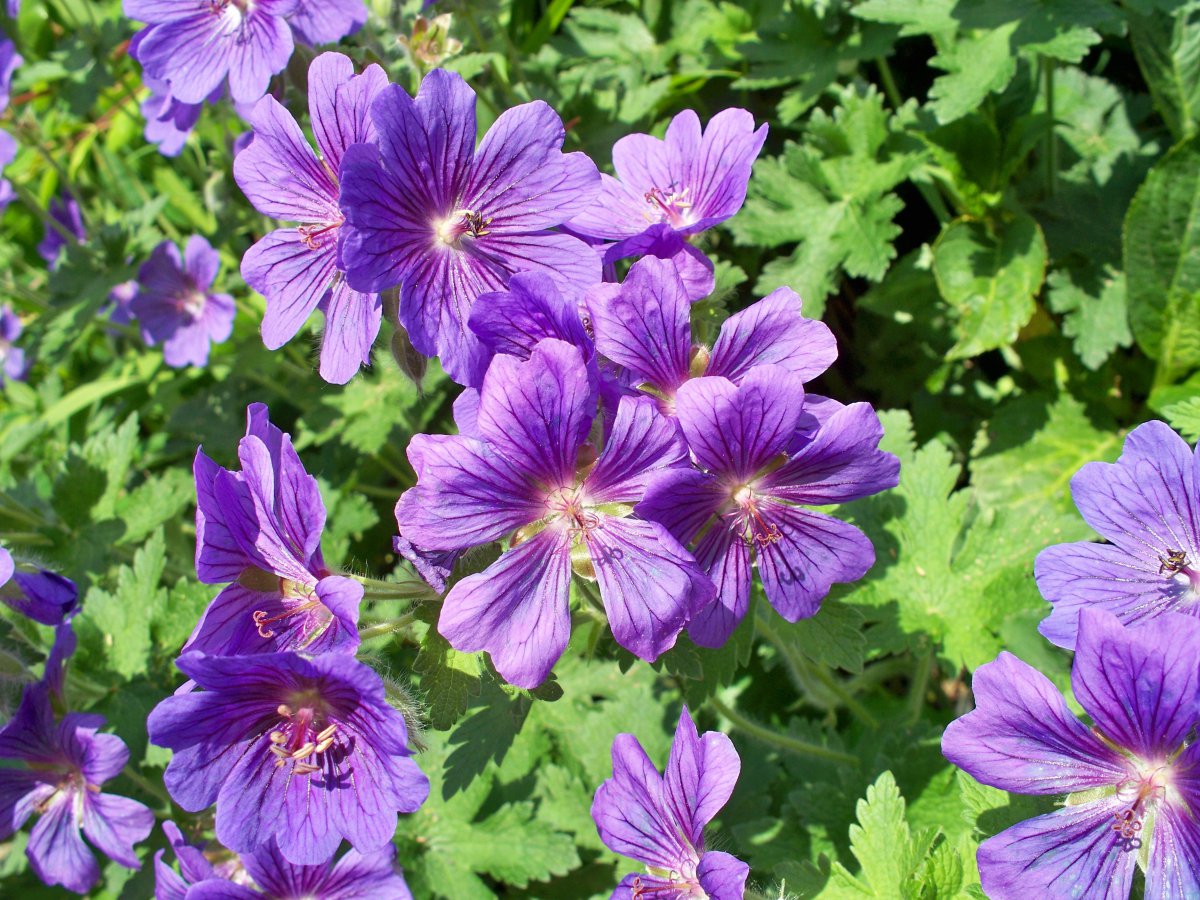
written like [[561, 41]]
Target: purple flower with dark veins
[[297, 268], [37, 593], [304, 752], [259, 530], [12, 359], [644, 325], [659, 819], [667, 191], [268, 875], [744, 504], [66, 212], [196, 45], [445, 221], [319, 22], [1133, 777], [531, 470], [1147, 507], [65, 765], [175, 307]]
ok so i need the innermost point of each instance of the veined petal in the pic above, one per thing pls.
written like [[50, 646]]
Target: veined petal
[[352, 321], [701, 774], [1173, 869], [56, 849], [725, 557], [773, 331], [532, 308], [619, 211], [642, 443], [280, 174], [1022, 737], [293, 276], [262, 49], [722, 877], [339, 103], [517, 610], [718, 170], [114, 824]]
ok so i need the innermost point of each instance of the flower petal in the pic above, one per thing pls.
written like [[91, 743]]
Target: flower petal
[[722, 877], [292, 276], [701, 774], [56, 851], [773, 331], [114, 824], [279, 172], [725, 556], [631, 812], [339, 102], [352, 321], [642, 444]]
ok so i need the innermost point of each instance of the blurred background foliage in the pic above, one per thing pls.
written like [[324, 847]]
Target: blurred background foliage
[[995, 206]]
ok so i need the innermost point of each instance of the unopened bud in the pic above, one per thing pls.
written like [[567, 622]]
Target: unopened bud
[[411, 363]]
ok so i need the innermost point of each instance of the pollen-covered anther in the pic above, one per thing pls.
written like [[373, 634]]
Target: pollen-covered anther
[[314, 237]]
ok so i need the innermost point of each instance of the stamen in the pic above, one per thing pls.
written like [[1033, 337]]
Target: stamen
[[279, 751], [327, 733], [304, 751], [277, 737], [262, 620], [284, 710], [310, 234]]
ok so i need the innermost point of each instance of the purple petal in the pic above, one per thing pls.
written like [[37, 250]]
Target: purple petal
[[1173, 869], [339, 102], [650, 585], [772, 331], [663, 242], [643, 443], [631, 812], [683, 500], [725, 557], [718, 171], [517, 610], [114, 824], [531, 309], [1021, 736], [812, 553], [56, 851], [219, 555], [292, 276], [722, 877], [352, 321], [701, 774], [1140, 686], [327, 21]]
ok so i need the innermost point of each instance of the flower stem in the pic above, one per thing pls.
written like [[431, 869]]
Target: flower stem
[[919, 685], [150, 787], [414, 589], [774, 738], [389, 627]]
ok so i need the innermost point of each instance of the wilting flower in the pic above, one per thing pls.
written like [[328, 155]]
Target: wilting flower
[[743, 504], [669, 190], [174, 306], [1134, 780], [37, 593], [12, 359], [644, 325], [327, 21], [306, 752], [427, 211], [260, 531], [531, 470], [659, 819], [296, 268], [66, 212], [268, 874], [1147, 506], [195, 45], [66, 763]]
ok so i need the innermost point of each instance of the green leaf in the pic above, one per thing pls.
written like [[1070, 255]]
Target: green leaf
[[833, 637], [1184, 417], [976, 66], [449, 679], [1162, 261], [1167, 46], [990, 277], [1095, 314]]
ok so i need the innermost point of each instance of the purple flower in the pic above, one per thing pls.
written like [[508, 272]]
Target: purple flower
[[297, 269], [8, 152], [66, 765], [39, 594], [195, 45], [14, 8], [327, 21], [1134, 779], [531, 470], [268, 874], [667, 191], [644, 325], [174, 306], [66, 212], [10, 59], [303, 751], [427, 211], [12, 359], [743, 502], [168, 122], [659, 819], [259, 530], [1147, 506]]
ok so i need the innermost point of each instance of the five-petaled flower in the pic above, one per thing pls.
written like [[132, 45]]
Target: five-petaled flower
[[1147, 505], [659, 819], [259, 530], [1133, 777], [445, 221], [296, 268], [305, 751], [760, 456], [528, 470], [65, 765]]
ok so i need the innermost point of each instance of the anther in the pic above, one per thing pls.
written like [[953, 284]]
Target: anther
[[305, 768], [277, 737], [324, 745], [284, 710], [305, 751], [327, 733]]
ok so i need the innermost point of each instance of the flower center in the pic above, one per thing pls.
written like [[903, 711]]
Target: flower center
[[318, 237], [302, 738], [569, 506], [1140, 794], [749, 519], [461, 223], [1176, 562], [671, 205], [670, 882], [190, 302]]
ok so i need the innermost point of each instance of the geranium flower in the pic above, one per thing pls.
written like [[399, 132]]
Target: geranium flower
[[296, 268], [66, 212], [745, 502], [659, 819], [530, 470], [304, 752], [1147, 506], [39, 594], [319, 22], [66, 764], [427, 211], [259, 530], [668, 190], [12, 359], [195, 46], [1133, 778], [174, 306]]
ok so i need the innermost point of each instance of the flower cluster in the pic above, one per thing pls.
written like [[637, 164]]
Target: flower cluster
[[56, 766], [1132, 779], [279, 726]]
